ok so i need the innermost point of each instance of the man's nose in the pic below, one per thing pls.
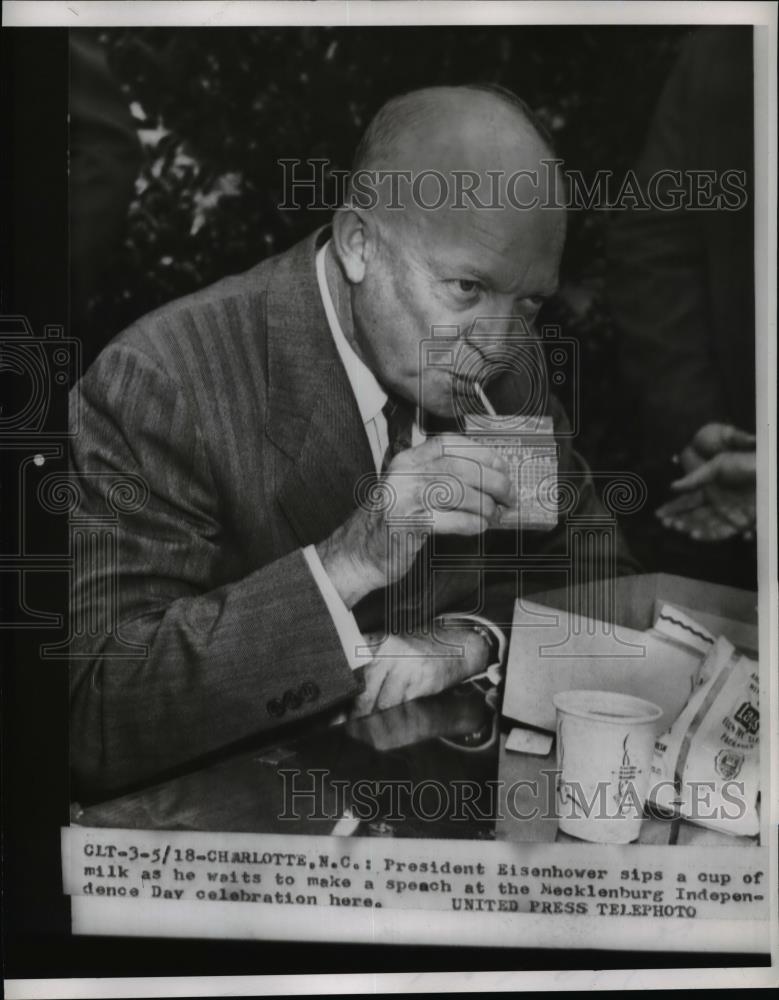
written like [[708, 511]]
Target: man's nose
[[498, 335]]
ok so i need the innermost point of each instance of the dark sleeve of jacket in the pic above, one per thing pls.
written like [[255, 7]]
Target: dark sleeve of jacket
[[681, 279], [175, 659]]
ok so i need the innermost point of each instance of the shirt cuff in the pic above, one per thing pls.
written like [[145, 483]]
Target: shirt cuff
[[352, 640]]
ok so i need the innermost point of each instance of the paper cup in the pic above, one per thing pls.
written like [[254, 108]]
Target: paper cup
[[605, 742]]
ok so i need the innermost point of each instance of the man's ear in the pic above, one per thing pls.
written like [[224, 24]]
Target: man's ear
[[351, 243]]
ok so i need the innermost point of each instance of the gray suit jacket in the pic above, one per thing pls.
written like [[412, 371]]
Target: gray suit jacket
[[233, 406]]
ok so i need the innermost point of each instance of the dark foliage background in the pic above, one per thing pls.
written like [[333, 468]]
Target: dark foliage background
[[216, 109]]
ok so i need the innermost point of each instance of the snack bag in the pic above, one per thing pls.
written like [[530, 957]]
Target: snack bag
[[706, 766]]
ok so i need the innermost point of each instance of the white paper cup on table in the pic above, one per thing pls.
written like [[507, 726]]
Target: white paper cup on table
[[605, 742]]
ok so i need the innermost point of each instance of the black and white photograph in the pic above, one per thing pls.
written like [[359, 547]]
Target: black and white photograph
[[390, 532]]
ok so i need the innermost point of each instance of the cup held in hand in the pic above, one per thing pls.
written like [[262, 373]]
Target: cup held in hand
[[529, 447]]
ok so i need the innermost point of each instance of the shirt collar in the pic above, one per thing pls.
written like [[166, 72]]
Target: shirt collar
[[368, 393]]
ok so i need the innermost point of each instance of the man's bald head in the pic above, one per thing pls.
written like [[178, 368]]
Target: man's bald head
[[424, 149], [419, 114]]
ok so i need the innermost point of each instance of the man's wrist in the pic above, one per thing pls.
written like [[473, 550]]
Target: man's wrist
[[352, 577]]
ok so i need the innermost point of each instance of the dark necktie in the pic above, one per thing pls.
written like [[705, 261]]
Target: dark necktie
[[399, 414]]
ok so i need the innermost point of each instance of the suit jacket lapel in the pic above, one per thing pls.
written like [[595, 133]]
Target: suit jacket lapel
[[312, 413]]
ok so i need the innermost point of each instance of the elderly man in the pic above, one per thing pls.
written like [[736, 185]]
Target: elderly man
[[255, 412]]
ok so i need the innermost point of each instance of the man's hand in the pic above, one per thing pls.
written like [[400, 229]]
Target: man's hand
[[408, 667], [447, 485]]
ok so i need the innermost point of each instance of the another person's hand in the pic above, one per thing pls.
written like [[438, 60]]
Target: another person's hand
[[693, 515], [409, 667], [731, 470], [717, 493], [714, 439], [447, 485]]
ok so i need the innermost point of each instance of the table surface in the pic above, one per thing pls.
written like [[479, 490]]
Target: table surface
[[429, 745], [451, 736]]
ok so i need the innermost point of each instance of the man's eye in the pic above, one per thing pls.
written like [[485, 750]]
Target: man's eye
[[466, 289], [534, 301]]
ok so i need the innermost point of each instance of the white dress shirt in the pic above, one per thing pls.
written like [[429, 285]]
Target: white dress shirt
[[370, 398]]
